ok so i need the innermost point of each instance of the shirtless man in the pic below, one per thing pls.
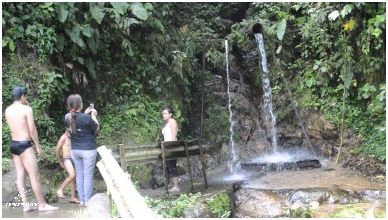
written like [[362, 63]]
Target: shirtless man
[[66, 162], [24, 136]]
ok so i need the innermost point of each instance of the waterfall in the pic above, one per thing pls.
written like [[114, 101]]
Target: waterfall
[[270, 119], [233, 164]]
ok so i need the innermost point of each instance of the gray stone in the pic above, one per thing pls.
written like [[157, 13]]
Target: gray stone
[[306, 196], [198, 210], [98, 206], [252, 203]]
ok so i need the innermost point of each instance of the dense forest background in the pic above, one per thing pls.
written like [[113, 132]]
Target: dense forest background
[[132, 59]]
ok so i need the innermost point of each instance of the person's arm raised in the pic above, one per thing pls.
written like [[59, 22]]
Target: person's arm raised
[[33, 131]]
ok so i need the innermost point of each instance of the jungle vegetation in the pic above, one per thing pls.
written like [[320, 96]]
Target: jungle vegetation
[[131, 59]]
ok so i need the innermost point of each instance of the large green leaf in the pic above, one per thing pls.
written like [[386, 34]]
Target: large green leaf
[[139, 11], [87, 30], [11, 45], [60, 42], [91, 68], [5, 42], [281, 29], [97, 12], [346, 10], [120, 7], [62, 11], [92, 44]]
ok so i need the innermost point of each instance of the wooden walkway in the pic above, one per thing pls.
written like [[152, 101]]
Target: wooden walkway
[[128, 200]]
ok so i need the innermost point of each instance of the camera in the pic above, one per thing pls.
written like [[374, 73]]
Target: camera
[[91, 106]]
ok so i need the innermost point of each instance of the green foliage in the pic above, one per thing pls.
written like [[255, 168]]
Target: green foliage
[[300, 213], [141, 174], [32, 29], [134, 58], [45, 87], [217, 119], [114, 212], [220, 205], [172, 208], [6, 139], [340, 68], [6, 165], [349, 212], [136, 121]]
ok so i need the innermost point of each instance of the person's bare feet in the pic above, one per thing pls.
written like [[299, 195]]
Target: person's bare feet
[[174, 190], [29, 208], [47, 207], [74, 200], [60, 194]]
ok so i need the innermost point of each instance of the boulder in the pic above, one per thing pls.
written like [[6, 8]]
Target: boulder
[[252, 203], [98, 206], [198, 210]]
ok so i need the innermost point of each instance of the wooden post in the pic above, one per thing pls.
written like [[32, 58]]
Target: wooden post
[[189, 166], [201, 156], [109, 199], [164, 167], [122, 161]]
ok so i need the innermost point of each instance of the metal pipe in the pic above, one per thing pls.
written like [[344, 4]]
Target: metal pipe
[[253, 29]]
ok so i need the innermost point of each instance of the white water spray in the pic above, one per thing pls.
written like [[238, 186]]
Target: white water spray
[[269, 116], [233, 164]]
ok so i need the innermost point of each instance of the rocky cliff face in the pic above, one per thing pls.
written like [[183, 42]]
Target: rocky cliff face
[[251, 138]]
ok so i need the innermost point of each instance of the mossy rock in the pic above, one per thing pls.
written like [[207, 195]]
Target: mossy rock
[[357, 210], [301, 213], [348, 212]]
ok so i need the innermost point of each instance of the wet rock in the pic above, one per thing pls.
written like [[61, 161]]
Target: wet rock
[[303, 164], [198, 210], [98, 206], [253, 203], [368, 165], [372, 195], [10, 191], [340, 196], [306, 196], [314, 205], [9, 188], [157, 176], [212, 160]]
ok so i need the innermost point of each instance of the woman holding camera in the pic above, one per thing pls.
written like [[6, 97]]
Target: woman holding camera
[[83, 129]]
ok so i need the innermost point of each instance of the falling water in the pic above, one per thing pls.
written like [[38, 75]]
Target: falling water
[[269, 116], [233, 164]]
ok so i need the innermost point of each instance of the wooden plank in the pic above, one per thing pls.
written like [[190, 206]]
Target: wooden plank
[[114, 192], [157, 153], [131, 196], [173, 144], [130, 147]]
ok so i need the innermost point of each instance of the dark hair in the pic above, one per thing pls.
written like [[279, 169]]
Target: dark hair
[[74, 102], [18, 92], [168, 109]]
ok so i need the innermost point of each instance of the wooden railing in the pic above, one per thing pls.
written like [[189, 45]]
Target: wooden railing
[[164, 151], [128, 200]]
